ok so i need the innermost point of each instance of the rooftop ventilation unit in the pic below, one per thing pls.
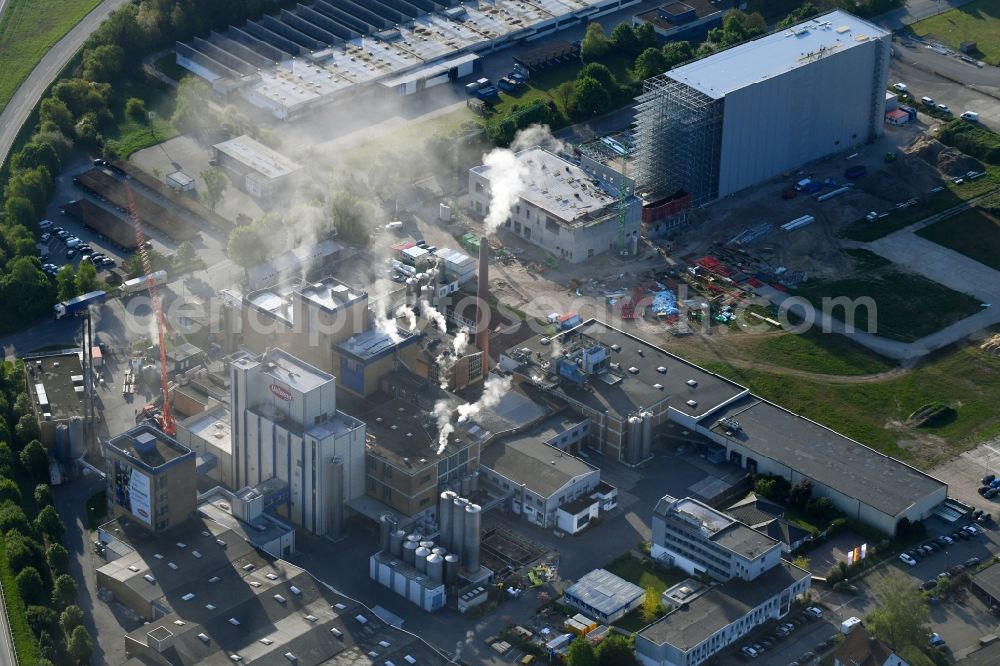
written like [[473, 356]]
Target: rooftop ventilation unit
[[692, 403]]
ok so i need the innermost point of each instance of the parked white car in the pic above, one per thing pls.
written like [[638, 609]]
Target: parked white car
[[901, 87], [907, 560]]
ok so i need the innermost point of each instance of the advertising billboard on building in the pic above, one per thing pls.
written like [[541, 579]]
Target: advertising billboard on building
[[132, 492]]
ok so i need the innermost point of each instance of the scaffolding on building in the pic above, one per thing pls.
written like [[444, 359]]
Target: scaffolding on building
[[678, 140]]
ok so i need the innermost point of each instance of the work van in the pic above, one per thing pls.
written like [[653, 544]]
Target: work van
[[971, 116]]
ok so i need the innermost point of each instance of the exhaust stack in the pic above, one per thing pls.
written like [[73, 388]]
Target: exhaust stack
[[482, 304]]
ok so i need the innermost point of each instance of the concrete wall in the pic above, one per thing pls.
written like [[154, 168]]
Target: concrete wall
[[828, 106]]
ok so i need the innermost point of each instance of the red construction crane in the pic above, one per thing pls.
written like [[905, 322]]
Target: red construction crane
[[167, 423]]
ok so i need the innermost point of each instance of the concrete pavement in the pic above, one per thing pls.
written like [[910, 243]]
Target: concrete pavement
[[915, 10], [45, 73]]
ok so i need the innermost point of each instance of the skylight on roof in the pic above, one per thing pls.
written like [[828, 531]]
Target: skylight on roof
[[266, 641]]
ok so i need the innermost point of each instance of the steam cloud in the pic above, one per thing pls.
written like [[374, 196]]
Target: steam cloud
[[411, 316], [493, 391], [432, 314], [446, 361], [509, 176]]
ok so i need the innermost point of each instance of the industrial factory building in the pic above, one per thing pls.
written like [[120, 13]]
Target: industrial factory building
[[689, 20], [603, 595], [561, 208], [56, 387], [258, 170], [729, 121], [150, 478], [545, 484], [627, 387], [324, 51], [286, 426], [209, 597]]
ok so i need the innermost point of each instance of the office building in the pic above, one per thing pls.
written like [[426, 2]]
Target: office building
[[286, 425], [151, 478], [561, 208], [703, 620], [687, 21], [56, 388], [700, 540], [726, 122]]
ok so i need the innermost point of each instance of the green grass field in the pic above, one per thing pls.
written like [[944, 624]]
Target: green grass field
[[823, 353], [898, 315], [128, 135], [974, 233], [865, 231], [635, 571], [28, 29], [978, 21], [967, 379]]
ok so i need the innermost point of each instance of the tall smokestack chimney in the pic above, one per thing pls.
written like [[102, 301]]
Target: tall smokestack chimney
[[483, 304]]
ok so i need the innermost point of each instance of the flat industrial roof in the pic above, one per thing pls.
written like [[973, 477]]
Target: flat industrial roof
[[255, 155], [671, 15], [373, 343], [989, 580], [58, 381], [825, 456], [406, 436], [689, 625], [633, 390], [604, 591], [149, 446], [775, 54], [213, 426], [268, 599], [285, 368], [527, 459], [561, 188]]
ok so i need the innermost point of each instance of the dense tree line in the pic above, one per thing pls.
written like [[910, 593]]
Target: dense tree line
[[36, 559], [76, 113]]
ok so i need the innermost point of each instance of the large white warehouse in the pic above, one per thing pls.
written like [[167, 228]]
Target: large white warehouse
[[726, 122]]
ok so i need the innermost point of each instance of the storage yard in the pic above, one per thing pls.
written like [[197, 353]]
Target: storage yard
[[152, 213], [112, 227]]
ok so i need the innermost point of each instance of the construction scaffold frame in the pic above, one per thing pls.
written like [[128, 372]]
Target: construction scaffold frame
[[678, 134]]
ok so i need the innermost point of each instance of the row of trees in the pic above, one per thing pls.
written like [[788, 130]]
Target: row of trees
[[32, 534], [615, 650]]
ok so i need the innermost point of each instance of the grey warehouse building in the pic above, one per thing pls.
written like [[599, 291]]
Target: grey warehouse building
[[729, 121]]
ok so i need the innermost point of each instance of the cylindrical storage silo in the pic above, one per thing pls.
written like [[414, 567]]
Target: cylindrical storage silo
[[647, 434], [634, 439], [458, 525], [414, 537], [439, 550], [396, 543], [451, 568], [427, 544], [470, 547], [421, 554], [77, 446], [337, 499], [466, 486], [411, 291], [62, 442], [385, 525], [435, 567], [409, 552], [445, 514]]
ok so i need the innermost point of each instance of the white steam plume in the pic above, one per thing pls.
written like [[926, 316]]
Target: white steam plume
[[507, 181], [431, 313], [493, 391], [460, 342], [556, 348], [411, 316], [446, 361], [442, 412], [387, 327], [541, 136]]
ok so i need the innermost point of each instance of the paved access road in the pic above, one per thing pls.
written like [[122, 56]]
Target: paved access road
[[33, 87]]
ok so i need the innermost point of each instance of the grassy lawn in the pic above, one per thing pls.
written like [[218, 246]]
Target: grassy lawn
[[966, 379], [974, 233], [978, 21], [128, 135], [24, 641], [898, 314], [28, 29], [645, 575], [97, 510], [935, 203], [824, 353]]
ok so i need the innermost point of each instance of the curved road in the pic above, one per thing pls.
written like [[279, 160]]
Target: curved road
[[45, 72]]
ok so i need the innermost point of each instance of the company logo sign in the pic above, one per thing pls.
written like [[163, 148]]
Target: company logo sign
[[281, 392]]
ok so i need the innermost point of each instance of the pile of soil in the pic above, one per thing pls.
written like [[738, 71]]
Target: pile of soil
[[926, 148], [953, 162]]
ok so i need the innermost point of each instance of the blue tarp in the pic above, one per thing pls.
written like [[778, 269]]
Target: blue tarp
[[664, 304]]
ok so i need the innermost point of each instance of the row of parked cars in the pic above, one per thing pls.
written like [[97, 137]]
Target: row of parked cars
[[74, 247], [989, 486], [911, 556], [781, 632]]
